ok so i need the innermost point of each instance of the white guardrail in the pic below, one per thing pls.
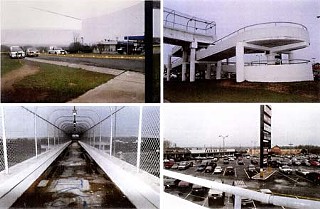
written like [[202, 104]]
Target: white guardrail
[[244, 193]]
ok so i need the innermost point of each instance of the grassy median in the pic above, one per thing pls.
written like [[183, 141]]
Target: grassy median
[[53, 83], [230, 91], [8, 64]]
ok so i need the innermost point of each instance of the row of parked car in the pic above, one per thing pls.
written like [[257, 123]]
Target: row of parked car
[[18, 52], [311, 175]]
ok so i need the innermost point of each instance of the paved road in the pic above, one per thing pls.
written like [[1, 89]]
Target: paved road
[[136, 65]]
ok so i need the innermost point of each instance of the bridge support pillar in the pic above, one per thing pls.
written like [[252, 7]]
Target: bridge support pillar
[[218, 70], [240, 74], [169, 67], [184, 63], [271, 58], [208, 72], [193, 47], [290, 57]]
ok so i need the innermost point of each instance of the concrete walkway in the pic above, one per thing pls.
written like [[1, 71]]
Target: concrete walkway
[[126, 87]]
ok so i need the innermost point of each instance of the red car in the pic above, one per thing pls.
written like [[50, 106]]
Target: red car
[[314, 163]]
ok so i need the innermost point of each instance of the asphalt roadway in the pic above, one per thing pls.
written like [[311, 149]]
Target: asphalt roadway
[[136, 65], [280, 184]]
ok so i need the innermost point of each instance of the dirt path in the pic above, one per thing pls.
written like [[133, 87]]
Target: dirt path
[[10, 78]]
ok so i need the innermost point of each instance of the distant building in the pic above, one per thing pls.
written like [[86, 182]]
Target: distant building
[[106, 47], [176, 153]]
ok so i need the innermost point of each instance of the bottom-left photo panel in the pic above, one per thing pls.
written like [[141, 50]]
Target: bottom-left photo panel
[[80, 157]]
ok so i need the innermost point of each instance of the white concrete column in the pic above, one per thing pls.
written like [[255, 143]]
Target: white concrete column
[[240, 75], [169, 67], [208, 72], [271, 58], [184, 63], [218, 70], [193, 47], [290, 57]]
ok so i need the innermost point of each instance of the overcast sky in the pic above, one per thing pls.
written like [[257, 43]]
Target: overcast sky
[[43, 21], [231, 15], [201, 125]]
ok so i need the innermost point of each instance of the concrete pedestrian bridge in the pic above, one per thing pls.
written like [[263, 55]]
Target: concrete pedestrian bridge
[[272, 39]]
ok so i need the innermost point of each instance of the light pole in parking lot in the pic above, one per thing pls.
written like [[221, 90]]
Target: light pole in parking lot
[[223, 137]]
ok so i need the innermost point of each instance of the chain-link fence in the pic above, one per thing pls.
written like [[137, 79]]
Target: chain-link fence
[[131, 134], [27, 135]]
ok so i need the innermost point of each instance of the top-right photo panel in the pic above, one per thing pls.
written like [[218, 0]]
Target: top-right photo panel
[[241, 51]]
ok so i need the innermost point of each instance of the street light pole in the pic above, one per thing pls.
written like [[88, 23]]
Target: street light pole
[[223, 137]]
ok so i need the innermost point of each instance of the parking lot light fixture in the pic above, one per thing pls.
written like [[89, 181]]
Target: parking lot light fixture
[[223, 137]]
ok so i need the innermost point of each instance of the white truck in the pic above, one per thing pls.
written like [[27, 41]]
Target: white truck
[[56, 50]]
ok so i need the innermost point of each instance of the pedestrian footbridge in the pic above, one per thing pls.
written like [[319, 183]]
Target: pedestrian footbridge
[[80, 157], [271, 40]]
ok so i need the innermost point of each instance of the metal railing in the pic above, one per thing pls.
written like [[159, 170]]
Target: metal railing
[[280, 62], [131, 134], [24, 135], [245, 193], [254, 26], [180, 21]]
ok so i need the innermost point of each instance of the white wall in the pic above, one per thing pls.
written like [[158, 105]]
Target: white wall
[[279, 73]]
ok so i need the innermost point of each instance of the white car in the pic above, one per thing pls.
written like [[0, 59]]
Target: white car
[[218, 169], [285, 169], [32, 52], [16, 52], [55, 50]]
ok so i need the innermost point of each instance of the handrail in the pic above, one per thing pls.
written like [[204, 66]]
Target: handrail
[[204, 25], [246, 193], [280, 62], [258, 24]]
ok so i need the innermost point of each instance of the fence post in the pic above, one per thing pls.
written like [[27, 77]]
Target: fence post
[[35, 132], [4, 142], [139, 140], [48, 136], [111, 131]]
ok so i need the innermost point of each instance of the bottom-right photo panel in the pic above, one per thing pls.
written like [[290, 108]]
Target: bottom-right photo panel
[[241, 156]]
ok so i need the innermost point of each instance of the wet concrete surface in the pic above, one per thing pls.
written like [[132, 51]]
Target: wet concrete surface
[[280, 184], [73, 181]]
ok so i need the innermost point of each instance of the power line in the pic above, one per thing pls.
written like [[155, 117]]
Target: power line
[[56, 13]]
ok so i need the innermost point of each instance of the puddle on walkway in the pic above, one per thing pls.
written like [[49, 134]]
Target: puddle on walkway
[[74, 180]]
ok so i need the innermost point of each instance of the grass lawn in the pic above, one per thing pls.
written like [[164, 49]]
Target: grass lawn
[[8, 64], [230, 91], [54, 84]]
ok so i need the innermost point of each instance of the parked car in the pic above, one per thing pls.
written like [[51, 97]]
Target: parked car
[[209, 169], [183, 185], [175, 166], [218, 169], [169, 182], [302, 172], [314, 177], [201, 167], [216, 197], [314, 163], [240, 162], [56, 50], [285, 169], [198, 190], [225, 161], [183, 165], [16, 52], [241, 184], [32, 52], [251, 168], [168, 163], [305, 163], [229, 171], [254, 161]]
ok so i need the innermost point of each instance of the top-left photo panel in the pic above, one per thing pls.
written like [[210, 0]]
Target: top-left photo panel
[[80, 51]]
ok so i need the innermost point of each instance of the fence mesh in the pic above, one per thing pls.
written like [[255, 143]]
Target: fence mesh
[[150, 145], [2, 167]]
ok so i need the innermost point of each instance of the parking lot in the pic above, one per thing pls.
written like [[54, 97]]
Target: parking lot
[[289, 185]]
